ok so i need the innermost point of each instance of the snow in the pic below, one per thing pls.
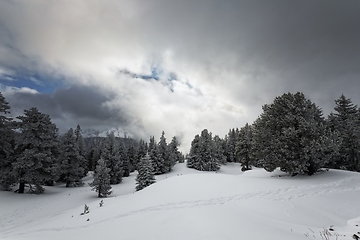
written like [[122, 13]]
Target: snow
[[187, 204]]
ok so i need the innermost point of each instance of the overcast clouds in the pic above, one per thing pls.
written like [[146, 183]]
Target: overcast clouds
[[177, 66]]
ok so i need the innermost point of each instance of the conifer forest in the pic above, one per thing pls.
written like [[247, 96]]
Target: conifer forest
[[290, 134]]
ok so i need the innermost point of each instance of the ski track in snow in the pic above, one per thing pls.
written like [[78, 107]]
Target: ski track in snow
[[286, 194]]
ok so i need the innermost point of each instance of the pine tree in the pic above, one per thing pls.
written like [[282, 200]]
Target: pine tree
[[164, 155], [202, 153], [82, 149], [231, 145], [6, 145], [110, 154], [346, 121], [37, 150], [132, 156], [71, 160], [194, 158], [175, 154], [285, 131], [145, 175], [101, 182], [125, 161], [208, 160], [153, 152], [219, 151], [142, 151], [244, 147]]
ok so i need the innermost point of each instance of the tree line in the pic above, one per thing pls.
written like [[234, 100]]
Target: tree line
[[34, 154], [291, 134]]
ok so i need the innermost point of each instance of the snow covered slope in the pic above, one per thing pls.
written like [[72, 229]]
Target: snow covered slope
[[187, 204]]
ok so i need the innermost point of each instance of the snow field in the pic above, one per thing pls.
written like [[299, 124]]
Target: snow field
[[187, 204]]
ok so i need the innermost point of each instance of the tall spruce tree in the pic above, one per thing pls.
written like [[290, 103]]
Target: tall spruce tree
[[37, 150], [145, 175], [125, 161], [285, 131], [230, 150], [82, 150], [175, 154], [164, 155], [6, 145], [202, 153], [153, 152], [101, 182], [219, 151], [71, 160], [110, 154], [194, 157], [244, 147], [346, 121]]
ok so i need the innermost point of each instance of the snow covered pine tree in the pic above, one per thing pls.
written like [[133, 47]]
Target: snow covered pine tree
[[110, 154], [202, 154], [6, 145], [285, 133], [101, 182], [36, 151], [71, 160], [145, 175]]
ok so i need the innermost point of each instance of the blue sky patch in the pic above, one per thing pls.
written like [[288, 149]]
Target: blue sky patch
[[43, 84]]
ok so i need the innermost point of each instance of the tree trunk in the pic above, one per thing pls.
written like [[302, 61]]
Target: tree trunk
[[21, 187]]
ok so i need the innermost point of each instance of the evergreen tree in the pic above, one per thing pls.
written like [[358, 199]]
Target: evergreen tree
[[194, 157], [175, 154], [164, 155], [346, 121], [71, 160], [142, 151], [202, 153], [156, 162], [6, 145], [92, 156], [132, 156], [110, 154], [37, 150], [125, 161], [208, 160], [219, 151], [101, 182], [230, 150], [145, 175], [285, 131], [82, 150], [244, 148]]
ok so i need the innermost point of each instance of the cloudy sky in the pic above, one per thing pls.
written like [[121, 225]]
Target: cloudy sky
[[142, 67]]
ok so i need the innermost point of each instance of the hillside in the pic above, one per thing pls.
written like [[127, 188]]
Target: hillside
[[187, 204]]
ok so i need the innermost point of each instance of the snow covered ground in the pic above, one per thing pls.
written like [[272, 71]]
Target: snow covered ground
[[187, 204]]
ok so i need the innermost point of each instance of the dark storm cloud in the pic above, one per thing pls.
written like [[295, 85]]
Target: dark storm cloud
[[19, 101], [83, 102], [76, 105]]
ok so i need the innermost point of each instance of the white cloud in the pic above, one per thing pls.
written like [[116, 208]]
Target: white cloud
[[6, 90]]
